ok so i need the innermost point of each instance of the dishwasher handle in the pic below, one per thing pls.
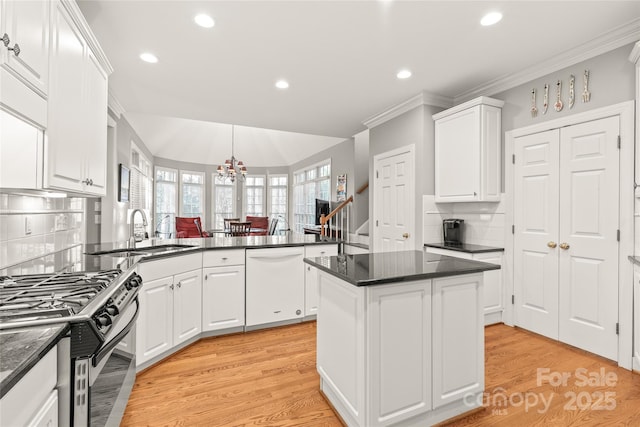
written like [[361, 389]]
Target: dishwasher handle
[[274, 254]]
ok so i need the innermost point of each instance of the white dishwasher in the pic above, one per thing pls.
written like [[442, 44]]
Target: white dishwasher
[[274, 285]]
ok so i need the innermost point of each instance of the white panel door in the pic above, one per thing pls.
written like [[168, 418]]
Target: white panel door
[[636, 319], [223, 297], [154, 327], [400, 349], [394, 201], [588, 244], [27, 25], [187, 305], [458, 338], [536, 204]]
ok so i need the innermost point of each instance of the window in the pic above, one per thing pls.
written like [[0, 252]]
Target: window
[[278, 200], [223, 200], [166, 201], [254, 195], [192, 194], [140, 185], [310, 184]]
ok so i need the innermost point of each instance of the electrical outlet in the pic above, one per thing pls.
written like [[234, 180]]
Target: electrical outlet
[[97, 219], [97, 206], [27, 225]]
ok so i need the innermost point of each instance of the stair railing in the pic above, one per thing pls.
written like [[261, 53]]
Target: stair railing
[[334, 224]]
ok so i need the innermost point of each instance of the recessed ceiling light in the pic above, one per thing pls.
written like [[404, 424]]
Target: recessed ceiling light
[[149, 57], [491, 18], [403, 74], [282, 84], [204, 21]]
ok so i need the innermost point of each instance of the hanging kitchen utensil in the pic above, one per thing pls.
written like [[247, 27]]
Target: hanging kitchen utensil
[[586, 95], [572, 93], [545, 100], [534, 109], [558, 105]]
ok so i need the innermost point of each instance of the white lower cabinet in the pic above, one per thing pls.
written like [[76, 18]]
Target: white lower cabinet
[[170, 305], [223, 290], [458, 338], [636, 317], [274, 285], [311, 276], [406, 353], [33, 401], [493, 294]]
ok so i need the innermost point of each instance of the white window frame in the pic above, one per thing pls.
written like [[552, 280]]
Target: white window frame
[[282, 222], [245, 194], [298, 223], [181, 193], [143, 167], [172, 216], [234, 204]]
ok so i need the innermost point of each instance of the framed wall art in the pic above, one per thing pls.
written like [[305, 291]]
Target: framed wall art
[[123, 183]]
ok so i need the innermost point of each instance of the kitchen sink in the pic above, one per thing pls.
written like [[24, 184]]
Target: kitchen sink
[[148, 250]]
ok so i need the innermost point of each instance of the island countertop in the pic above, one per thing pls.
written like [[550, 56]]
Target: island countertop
[[390, 267]]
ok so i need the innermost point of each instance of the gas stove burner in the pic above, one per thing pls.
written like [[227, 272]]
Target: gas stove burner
[[50, 295]]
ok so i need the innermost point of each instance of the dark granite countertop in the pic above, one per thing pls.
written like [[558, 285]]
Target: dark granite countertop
[[634, 259], [464, 247], [21, 349], [391, 267]]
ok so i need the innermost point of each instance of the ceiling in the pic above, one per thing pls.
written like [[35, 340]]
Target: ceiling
[[340, 58]]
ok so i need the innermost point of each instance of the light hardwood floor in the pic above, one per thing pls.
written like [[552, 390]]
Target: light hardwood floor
[[268, 378]]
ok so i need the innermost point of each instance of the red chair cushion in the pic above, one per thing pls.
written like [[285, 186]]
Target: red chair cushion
[[186, 227], [259, 222]]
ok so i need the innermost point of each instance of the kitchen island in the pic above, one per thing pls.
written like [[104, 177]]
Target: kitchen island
[[400, 336]]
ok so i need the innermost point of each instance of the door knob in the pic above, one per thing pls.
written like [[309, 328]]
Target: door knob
[[405, 235], [552, 244], [564, 246]]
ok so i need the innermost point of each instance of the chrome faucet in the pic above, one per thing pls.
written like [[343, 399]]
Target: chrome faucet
[[132, 237]]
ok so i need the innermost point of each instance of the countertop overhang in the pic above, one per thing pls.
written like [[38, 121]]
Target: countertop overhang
[[393, 267]]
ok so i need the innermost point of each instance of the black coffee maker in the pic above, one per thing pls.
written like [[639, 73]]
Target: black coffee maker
[[453, 231]]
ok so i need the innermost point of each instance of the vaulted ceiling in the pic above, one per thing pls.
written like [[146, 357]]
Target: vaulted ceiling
[[339, 57]]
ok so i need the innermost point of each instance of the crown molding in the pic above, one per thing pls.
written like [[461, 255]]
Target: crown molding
[[613, 39], [78, 18], [423, 98], [114, 105], [481, 100], [634, 56]]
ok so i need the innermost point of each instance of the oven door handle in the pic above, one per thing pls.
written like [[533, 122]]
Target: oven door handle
[[104, 351]]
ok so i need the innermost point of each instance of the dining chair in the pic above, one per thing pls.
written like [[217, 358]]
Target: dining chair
[[228, 220], [273, 224], [239, 228], [259, 224], [189, 227]]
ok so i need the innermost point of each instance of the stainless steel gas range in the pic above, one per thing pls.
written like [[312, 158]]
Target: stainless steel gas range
[[101, 308]]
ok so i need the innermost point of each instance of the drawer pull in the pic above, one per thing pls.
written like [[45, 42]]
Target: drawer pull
[[224, 258]]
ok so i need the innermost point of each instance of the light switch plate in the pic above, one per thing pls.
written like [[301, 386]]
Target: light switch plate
[[27, 225]]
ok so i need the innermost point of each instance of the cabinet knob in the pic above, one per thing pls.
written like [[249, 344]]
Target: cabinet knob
[[552, 244], [15, 49], [179, 284], [405, 235], [564, 246], [5, 39], [171, 286]]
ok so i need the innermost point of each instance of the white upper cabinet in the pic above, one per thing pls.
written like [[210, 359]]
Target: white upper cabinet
[[24, 59], [467, 152]]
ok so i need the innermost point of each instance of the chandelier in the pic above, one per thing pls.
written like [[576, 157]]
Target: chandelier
[[232, 166]]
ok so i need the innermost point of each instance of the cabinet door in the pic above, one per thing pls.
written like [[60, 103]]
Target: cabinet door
[[47, 416], [95, 125], [458, 338], [27, 25], [492, 283], [154, 327], [64, 148], [457, 156], [20, 144], [636, 311], [223, 298], [399, 348], [275, 285], [187, 308], [310, 290]]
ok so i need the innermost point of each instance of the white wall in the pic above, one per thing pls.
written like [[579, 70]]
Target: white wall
[[484, 222]]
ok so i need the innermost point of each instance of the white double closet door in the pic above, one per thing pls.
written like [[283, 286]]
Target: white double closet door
[[566, 194]]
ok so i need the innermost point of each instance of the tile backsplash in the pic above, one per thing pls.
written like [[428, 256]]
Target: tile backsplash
[[32, 227], [484, 222]]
